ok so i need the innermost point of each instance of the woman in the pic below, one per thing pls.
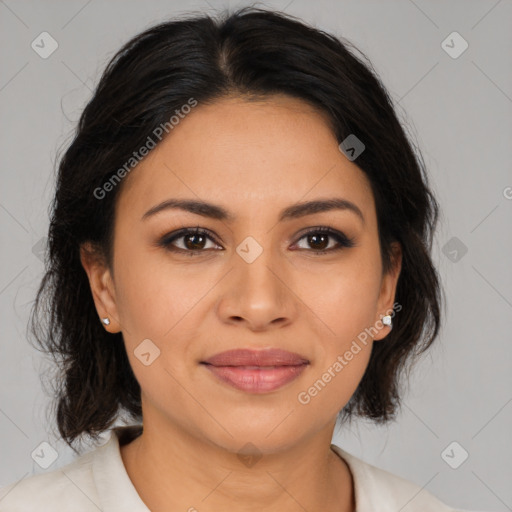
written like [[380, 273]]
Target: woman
[[238, 257]]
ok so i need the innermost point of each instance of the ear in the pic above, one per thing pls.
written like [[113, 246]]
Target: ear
[[102, 285], [388, 290]]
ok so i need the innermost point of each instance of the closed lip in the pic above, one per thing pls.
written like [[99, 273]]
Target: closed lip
[[251, 357]]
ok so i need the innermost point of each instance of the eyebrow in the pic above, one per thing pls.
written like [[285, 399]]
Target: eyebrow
[[217, 212]]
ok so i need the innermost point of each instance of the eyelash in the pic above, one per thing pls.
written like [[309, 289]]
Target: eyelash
[[167, 240]]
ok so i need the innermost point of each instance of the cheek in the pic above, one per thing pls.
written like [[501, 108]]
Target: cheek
[[153, 296], [345, 300], [332, 383], [344, 297]]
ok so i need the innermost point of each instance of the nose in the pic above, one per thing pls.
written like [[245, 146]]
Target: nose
[[258, 295]]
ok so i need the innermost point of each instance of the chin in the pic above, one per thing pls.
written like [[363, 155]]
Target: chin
[[272, 432], [247, 442]]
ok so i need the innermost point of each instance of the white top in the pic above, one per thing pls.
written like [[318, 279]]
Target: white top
[[97, 480]]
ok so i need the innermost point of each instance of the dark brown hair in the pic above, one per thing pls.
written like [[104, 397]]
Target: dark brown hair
[[252, 53]]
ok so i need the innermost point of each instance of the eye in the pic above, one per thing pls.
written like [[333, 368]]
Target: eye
[[319, 238], [193, 241]]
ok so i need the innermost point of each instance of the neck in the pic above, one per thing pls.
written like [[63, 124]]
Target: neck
[[172, 470]]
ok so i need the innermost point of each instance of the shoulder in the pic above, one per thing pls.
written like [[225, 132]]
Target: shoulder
[[378, 489], [68, 488], [96, 480]]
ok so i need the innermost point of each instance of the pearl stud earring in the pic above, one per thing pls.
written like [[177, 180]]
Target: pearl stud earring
[[106, 321]]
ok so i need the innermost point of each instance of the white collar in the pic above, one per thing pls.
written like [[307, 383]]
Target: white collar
[[374, 488]]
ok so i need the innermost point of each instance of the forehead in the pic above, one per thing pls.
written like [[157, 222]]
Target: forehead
[[247, 155]]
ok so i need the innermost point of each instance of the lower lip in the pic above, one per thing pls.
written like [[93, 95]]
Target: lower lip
[[256, 380]]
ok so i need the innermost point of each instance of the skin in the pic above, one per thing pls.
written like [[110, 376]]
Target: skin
[[254, 159]]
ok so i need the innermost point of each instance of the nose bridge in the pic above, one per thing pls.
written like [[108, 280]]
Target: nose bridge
[[256, 292], [256, 265]]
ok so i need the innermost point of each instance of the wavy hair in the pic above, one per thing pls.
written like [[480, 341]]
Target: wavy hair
[[251, 53]]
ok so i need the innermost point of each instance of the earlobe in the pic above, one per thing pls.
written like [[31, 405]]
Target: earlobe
[[386, 300], [102, 286]]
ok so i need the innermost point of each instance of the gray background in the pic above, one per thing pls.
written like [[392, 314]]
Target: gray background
[[458, 109]]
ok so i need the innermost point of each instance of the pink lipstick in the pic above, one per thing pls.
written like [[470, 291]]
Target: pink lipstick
[[256, 371]]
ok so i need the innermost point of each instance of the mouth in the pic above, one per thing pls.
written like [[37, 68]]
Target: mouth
[[260, 371]]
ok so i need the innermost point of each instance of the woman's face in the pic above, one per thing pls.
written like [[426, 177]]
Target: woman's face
[[253, 281]]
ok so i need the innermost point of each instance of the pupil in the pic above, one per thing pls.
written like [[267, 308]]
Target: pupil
[[313, 238], [193, 245]]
